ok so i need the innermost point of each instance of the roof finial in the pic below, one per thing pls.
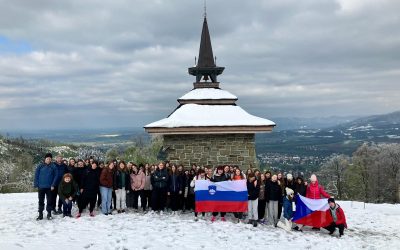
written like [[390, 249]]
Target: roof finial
[[205, 8]]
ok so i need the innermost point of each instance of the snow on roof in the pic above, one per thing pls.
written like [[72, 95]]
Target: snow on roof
[[208, 93], [194, 115]]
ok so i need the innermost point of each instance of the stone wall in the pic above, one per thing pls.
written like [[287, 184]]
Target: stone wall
[[211, 149]]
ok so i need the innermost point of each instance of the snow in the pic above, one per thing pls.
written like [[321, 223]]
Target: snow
[[375, 227], [194, 115], [208, 94]]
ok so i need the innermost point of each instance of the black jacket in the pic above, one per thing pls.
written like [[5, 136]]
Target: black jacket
[[175, 183], [219, 178], [118, 180], [159, 179], [90, 181], [78, 175], [300, 189], [66, 190], [253, 191], [274, 191]]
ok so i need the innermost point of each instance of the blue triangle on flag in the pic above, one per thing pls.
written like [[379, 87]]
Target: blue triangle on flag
[[301, 209]]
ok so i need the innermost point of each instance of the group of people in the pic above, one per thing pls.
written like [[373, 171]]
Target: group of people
[[118, 186]]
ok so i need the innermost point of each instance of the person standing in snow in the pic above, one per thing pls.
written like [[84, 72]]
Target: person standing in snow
[[106, 187], [45, 180], [174, 189], [160, 185], [300, 187], [274, 194], [61, 170], [137, 179], [218, 177], [281, 183], [89, 189], [67, 190], [238, 175], [338, 218], [261, 200], [253, 190], [121, 186], [287, 210], [146, 201], [200, 176], [314, 190]]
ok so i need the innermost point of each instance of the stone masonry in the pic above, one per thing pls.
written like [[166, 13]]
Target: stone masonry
[[211, 149]]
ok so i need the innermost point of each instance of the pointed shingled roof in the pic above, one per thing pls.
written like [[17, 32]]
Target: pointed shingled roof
[[206, 57]]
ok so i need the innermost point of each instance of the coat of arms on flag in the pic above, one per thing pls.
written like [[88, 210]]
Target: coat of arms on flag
[[225, 196]]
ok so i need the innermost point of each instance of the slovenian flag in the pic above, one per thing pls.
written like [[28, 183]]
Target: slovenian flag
[[225, 196], [312, 212]]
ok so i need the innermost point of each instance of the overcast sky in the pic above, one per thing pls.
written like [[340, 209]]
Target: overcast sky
[[83, 64]]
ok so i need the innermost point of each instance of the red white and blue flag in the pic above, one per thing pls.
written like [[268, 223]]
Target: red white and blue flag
[[312, 212], [225, 196]]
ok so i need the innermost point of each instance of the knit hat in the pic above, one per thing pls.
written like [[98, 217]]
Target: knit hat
[[313, 177], [289, 177], [48, 155], [331, 200], [289, 191]]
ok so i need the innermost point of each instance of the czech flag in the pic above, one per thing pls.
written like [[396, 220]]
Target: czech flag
[[312, 212], [225, 196]]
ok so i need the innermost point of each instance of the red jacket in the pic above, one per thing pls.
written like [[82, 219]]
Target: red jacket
[[341, 218], [314, 191]]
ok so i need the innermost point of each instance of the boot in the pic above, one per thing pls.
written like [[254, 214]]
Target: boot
[[254, 223], [40, 217], [49, 216]]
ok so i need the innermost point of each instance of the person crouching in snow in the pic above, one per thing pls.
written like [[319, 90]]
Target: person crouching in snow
[[338, 217], [67, 191], [253, 189], [287, 210]]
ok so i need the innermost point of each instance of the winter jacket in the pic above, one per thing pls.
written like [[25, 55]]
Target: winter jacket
[[314, 191], [174, 183], [290, 184], [341, 218], [147, 182], [122, 180], [253, 191], [138, 180], [91, 181], [61, 170], [273, 191], [107, 178], [219, 178], [66, 190], [160, 179], [77, 175], [287, 208], [45, 176], [300, 189]]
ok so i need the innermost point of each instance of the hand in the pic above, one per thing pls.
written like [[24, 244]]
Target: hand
[[180, 192], [168, 193], [81, 190], [52, 188], [127, 191], [305, 183]]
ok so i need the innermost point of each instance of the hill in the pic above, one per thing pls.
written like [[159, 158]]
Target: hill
[[375, 227]]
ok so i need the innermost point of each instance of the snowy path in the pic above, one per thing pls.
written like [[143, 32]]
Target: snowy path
[[376, 227]]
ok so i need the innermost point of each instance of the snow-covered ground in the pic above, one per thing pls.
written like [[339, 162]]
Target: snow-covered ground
[[375, 227]]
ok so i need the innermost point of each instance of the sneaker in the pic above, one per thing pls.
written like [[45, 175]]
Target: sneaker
[[213, 219], [254, 223], [123, 211], [223, 219], [49, 216], [250, 222], [161, 212], [91, 214], [78, 215], [59, 211], [40, 217], [196, 219]]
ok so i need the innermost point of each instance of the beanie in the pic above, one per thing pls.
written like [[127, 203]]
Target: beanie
[[331, 200], [313, 177], [289, 191], [289, 177]]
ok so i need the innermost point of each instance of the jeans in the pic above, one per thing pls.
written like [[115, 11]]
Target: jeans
[[252, 208], [106, 195], [67, 207], [121, 198], [42, 193], [273, 212]]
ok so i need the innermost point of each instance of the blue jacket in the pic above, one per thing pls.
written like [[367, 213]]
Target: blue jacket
[[61, 170], [287, 208], [45, 176]]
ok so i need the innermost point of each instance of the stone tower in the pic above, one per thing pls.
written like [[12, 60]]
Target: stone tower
[[208, 128]]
